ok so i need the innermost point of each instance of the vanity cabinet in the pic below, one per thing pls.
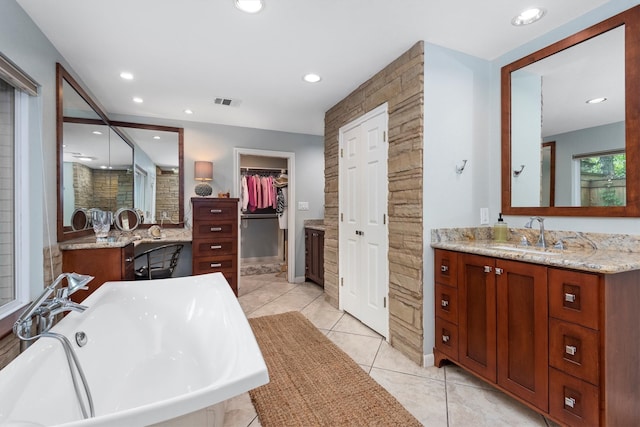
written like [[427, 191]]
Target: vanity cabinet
[[215, 238], [564, 342], [314, 255], [104, 263]]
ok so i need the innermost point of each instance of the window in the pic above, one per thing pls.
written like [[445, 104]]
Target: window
[[7, 194], [15, 88], [603, 179]]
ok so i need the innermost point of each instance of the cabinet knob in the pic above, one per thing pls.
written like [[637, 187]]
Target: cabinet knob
[[444, 268], [444, 303], [569, 297], [570, 349], [216, 265], [128, 259], [445, 338], [216, 211], [570, 402], [216, 229], [216, 246], [487, 269], [499, 271]]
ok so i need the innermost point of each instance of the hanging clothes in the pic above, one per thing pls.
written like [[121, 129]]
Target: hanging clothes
[[245, 193], [282, 207]]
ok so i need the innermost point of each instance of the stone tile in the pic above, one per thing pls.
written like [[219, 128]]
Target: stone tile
[[424, 398], [456, 375], [390, 359], [479, 407], [320, 316], [351, 325], [240, 411], [360, 348], [282, 304]]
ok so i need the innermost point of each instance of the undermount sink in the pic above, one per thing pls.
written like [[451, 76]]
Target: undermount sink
[[525, 250]]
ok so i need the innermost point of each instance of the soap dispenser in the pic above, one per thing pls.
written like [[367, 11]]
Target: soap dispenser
[[500, 230]]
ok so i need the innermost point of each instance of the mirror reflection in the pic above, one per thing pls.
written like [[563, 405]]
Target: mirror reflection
[[550, 108], [110, 166]]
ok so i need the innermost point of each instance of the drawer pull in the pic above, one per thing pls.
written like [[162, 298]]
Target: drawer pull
[[570, 402], [499, 271], [444, 303], [216, 211], [445, 338], [487, 269], [569, 297], [129, 259], [216, 229], [444, 268], [570, 349], [216, 265], [216, 246]]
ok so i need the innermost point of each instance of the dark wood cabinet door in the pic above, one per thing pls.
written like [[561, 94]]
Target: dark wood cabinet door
[[523, 357], [477, 314], [314, 255]]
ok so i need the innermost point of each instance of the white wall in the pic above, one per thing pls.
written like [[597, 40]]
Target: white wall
[[456, 128]]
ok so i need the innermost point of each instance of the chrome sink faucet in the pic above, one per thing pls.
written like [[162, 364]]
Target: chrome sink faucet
[[541, 242]]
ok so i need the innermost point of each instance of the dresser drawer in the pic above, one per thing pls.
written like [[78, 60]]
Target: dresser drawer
[[214, 210], [574, 349], [573, 401], [447, 338], [209, 229], [573, 296], [447, 303], [213, 264], [207, 247], [446, 267]]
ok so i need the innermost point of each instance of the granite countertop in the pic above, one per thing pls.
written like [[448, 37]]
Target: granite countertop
[[169, 235], [600, 253], [315, 224]]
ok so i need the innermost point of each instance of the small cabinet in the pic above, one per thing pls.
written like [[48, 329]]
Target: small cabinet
[[104, 263], [314, 255], [215, 238]]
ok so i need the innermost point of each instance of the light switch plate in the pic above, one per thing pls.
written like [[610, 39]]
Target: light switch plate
[[303, 206], [484, 216]]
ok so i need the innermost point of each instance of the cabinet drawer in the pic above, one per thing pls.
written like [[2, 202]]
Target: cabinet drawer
[[574, 349], [573, 296], [572, 401], [446, 267], [447, 338], [213, 264], [208, 229], [447, 303], [214, 210], [207, 247]]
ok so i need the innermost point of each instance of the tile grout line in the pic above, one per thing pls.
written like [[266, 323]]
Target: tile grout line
[[446, 394]]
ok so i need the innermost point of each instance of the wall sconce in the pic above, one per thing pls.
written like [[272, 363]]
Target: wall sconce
[[203, 173]]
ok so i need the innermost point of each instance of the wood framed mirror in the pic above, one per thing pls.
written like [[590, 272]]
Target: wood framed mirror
[[113, 165], [597, 146]]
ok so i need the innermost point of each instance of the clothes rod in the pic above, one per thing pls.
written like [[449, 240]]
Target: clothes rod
[[252, 168]]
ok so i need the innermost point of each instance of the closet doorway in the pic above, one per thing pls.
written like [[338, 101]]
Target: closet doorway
[[266, 236]]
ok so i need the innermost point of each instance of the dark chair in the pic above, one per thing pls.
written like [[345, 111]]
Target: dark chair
[[160, 262]]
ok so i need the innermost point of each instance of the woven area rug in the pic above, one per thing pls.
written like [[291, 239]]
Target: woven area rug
[[314, 383]]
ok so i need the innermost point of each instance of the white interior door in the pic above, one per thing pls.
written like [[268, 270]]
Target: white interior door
[[363, 230]]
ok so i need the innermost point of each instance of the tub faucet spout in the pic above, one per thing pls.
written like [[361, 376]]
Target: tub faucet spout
[[541, 242]]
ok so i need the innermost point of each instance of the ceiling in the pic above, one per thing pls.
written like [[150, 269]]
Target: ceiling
[[184, 54]]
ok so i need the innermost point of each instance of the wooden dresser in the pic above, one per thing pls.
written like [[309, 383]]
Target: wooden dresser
[[215, 237], [104, 263]]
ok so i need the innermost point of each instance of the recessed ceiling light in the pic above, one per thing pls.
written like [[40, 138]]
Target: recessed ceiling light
[[103, 167], [249, 6], [187, 111], [528, 16], [596, 100], [126, 75], [311, 78], [138, 100], [85, 159], [96, 132], [156, 137]]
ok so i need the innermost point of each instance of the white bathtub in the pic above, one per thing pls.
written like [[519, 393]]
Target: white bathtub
[[156, 350]]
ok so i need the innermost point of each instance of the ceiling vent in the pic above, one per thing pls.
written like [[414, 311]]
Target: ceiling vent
[[228, 102]]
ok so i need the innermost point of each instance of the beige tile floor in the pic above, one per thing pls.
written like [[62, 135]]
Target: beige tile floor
[[436, 397]]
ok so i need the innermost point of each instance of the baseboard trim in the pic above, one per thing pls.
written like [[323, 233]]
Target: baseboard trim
[[428, 360]]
